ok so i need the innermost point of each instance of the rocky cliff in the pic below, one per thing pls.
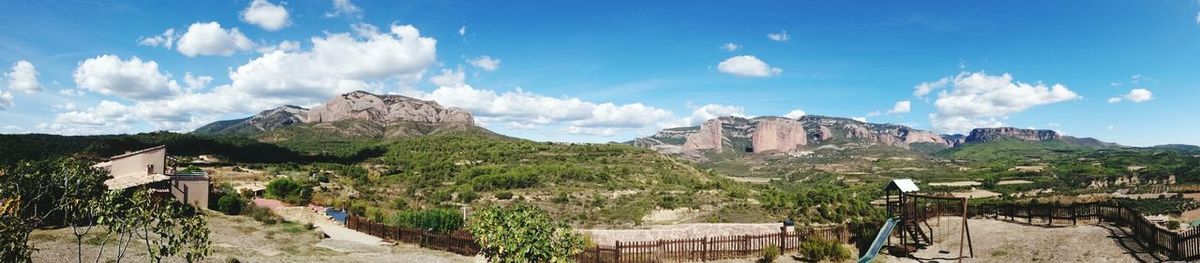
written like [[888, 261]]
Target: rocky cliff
[[778, 134], [386, 109], [981, 135], [365, 111]]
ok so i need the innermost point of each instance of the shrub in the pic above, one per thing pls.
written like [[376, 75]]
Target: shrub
[[770, 253], [261, 215], [399, 204], [467, 196], [230, 204], [561, 198], [504, 195], [439, 220], [523, 233], [290, 191], [820, 250]]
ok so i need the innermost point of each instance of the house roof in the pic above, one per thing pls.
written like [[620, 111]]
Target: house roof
[[131, 180], [137, 152], [904, 185]]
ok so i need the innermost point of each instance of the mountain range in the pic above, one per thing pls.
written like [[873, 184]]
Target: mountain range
[[770, 134]]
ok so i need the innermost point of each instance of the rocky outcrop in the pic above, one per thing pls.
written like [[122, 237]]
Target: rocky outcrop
[[981, 135], [708, 137], [377, 113], [267, 120], [386, 109], [778, 134]]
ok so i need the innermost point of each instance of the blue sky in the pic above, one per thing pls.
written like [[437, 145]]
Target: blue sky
[[598, 71]]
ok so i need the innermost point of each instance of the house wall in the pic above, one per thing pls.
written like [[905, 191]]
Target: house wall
[[192, 190], [136, 164]]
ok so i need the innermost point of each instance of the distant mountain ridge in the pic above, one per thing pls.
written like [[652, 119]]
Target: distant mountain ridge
[[355, 114], [779, 134]]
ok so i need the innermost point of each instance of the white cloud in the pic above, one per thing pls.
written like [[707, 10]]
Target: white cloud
[[166, 39], [337, 63], [266, 15], [795, 114], [976, 99], [71, 92], [1114, 100], [66, 106], [131, 79], [344, 7], [903, 106], [462, 31], [23, 78], [486, 63], [712, 111], [5, 100], [859, 119], [779, 36], [747, 66], [107, 113], [210, 39], [519, 108], [285, 46], [1139, 95], [195, 83], [730, 47]]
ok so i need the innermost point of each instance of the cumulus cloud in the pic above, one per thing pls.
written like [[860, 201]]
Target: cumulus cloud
[[747, 66], [971, 100], [104, 114], [795, 114], [367, 59], [730, 47], [266, 15], [780, 36], [859, 119], [344, 7], [5, 100], [166, 39], [23, 78], [520, 108], [132, 79], [486, 63], [903, 106], [210, 39], [712, 111], [285, 46], [1134, 95]]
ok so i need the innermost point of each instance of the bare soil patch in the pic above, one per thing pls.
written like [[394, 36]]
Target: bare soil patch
[[958, 183]]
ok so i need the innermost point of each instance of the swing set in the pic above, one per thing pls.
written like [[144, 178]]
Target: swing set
[[913, 212]]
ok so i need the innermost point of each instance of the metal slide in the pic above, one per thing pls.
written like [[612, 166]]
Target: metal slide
[[880, 239]]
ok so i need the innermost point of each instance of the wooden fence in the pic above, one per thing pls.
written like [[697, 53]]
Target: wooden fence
[[710, 248], [1176, 245], [458, 242]]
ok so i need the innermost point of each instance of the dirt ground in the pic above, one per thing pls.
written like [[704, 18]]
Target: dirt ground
[[247, 240], [1000, 241], [681, 231]]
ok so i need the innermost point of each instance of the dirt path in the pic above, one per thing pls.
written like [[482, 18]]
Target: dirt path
[[1000, 241], [242, 238]]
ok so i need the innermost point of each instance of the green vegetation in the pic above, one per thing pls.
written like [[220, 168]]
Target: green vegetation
[[769, 254], [824, 250], [523, 233], [437, 220], [58, 192], [290, 191]]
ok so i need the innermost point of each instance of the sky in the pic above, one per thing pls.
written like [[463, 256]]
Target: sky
[[599, 71]]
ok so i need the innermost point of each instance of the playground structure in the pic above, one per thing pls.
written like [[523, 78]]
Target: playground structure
[[910, 213]]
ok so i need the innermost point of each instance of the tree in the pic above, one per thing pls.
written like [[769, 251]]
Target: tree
[[523, 233]]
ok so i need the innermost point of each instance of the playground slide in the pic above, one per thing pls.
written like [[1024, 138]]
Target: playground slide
[[880, 239]]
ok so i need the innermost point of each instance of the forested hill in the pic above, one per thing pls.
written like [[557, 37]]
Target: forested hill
[[96, 147]]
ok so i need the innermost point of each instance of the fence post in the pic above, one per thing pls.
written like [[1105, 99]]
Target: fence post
[[1074, 216], [704, 241], [782, 239], [618, 252]]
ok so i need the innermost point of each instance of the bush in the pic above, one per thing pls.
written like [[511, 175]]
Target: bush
[[504, 195], [261, 215], [230, 204], [770, 253], [523, 233], [467, 196], [820, 250], [561, 198], [439, 220], [289, 191]]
